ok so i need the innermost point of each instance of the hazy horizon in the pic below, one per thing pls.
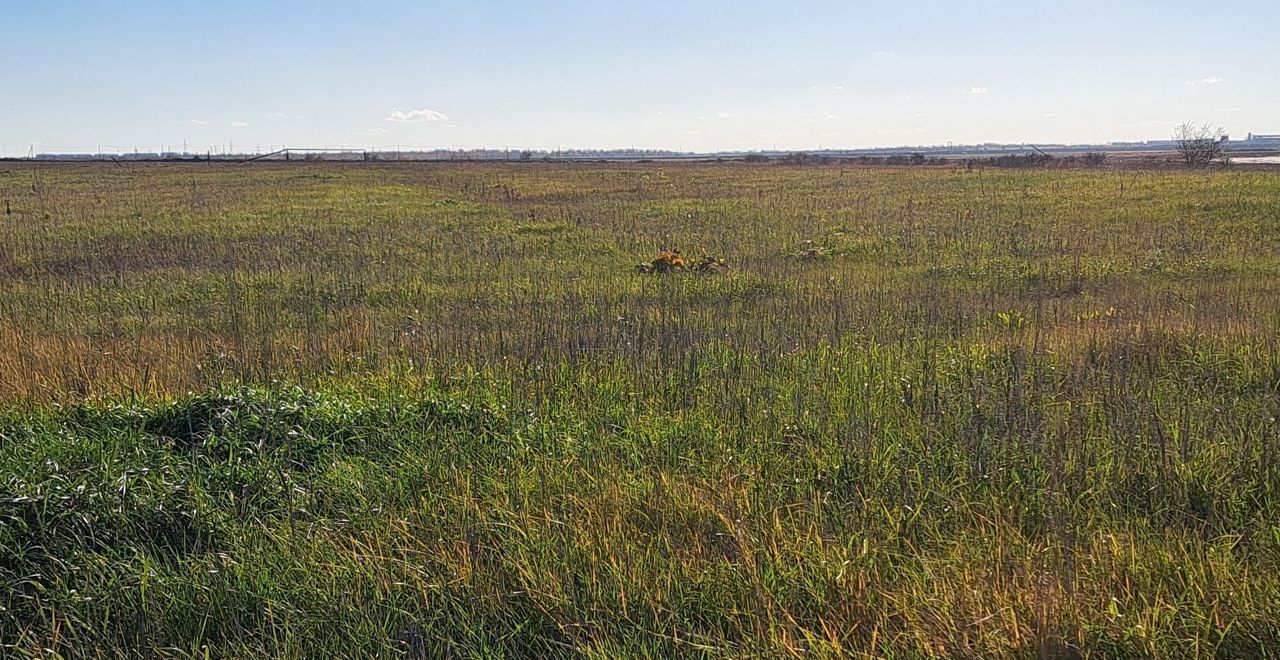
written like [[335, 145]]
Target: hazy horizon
[[720, 76]]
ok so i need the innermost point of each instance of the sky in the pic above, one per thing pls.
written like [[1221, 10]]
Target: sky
[[695, 75]]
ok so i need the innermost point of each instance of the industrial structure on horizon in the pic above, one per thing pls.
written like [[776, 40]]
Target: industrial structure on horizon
[[1269, 140]]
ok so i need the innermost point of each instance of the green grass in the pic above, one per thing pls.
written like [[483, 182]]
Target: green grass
[[431, 410]]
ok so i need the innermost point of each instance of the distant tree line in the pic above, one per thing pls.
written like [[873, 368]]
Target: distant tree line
[[920, 159]]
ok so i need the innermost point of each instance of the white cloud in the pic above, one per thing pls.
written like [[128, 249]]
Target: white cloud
[[283, 115], [830, 116], [417, 115], [368, 132], [1229, 109], [723, 115], [839, 88], [693, 131], [922, 115], [882, 53], [1207, 80], [1050, 115], [239, 124], [977, 90], [199, 122], [360, 134], [1150, 122]]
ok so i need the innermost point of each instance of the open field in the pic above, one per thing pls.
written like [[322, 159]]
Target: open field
[[369, 410]]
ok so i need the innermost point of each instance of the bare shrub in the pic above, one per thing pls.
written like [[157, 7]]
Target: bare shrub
[[1094, 159], [1199, 145]]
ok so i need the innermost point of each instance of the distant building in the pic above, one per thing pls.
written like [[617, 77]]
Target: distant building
[[1256, 141]]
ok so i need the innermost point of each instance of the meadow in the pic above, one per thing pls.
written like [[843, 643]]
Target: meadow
[[433, 410]]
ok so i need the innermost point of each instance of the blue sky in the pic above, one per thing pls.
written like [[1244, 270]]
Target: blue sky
[[697, 75]]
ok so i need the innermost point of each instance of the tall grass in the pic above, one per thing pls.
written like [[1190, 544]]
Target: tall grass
[[431, 410]]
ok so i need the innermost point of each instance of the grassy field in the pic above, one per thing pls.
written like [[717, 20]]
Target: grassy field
[[381, 410]]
